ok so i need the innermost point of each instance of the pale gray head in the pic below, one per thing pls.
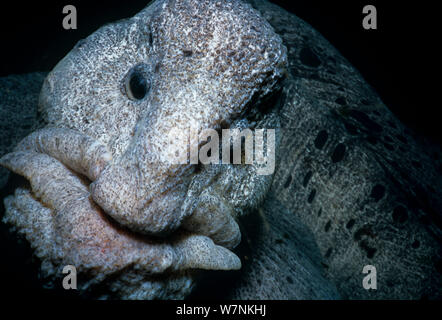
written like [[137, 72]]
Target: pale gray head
[[175, 65]]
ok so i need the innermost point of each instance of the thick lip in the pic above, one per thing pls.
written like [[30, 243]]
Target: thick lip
[[94, 234], [125, 195]]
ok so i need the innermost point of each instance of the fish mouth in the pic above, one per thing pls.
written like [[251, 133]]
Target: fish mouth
[[85, 236], [167, 217], [172, 206]]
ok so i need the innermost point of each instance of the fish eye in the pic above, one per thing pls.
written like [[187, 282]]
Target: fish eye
[[136, 84]]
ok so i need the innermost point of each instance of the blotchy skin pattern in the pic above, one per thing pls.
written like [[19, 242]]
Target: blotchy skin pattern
[[366, 186], [106, 193]]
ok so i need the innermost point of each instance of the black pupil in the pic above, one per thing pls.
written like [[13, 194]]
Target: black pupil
[[138, 85]]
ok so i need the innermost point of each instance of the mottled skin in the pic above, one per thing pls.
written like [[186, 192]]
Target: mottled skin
[[368, 189], [353, 187], [203, 63], [106, 193]]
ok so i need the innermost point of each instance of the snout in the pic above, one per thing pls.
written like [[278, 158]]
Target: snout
[[144, 203]]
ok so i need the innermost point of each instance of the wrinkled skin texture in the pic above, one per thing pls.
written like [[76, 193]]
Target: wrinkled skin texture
[[353, 187], [366, 186], [107, 193], [192, 55]]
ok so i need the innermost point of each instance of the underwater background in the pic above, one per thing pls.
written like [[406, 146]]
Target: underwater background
[[398, 60]]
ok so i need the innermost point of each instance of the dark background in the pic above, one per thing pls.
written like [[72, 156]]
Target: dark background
[[399, 60]]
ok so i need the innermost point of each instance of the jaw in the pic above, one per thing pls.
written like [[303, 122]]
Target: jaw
[[140, 203]]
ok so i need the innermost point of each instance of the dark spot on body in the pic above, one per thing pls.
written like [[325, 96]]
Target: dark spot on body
[[309, 58], [400, 214], [57, 142], [150, 39], [321, 139], [311, 196], [231, 53], [328, 253], [289, 280], [350, 224], [388, 139], [319, 212], [187, 53], [327, 226], [338, 153], [288, 181], [368, 250], [341, 101], [307, 179], [365, 120], [279, 241], [377, 192], [157, 67]]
